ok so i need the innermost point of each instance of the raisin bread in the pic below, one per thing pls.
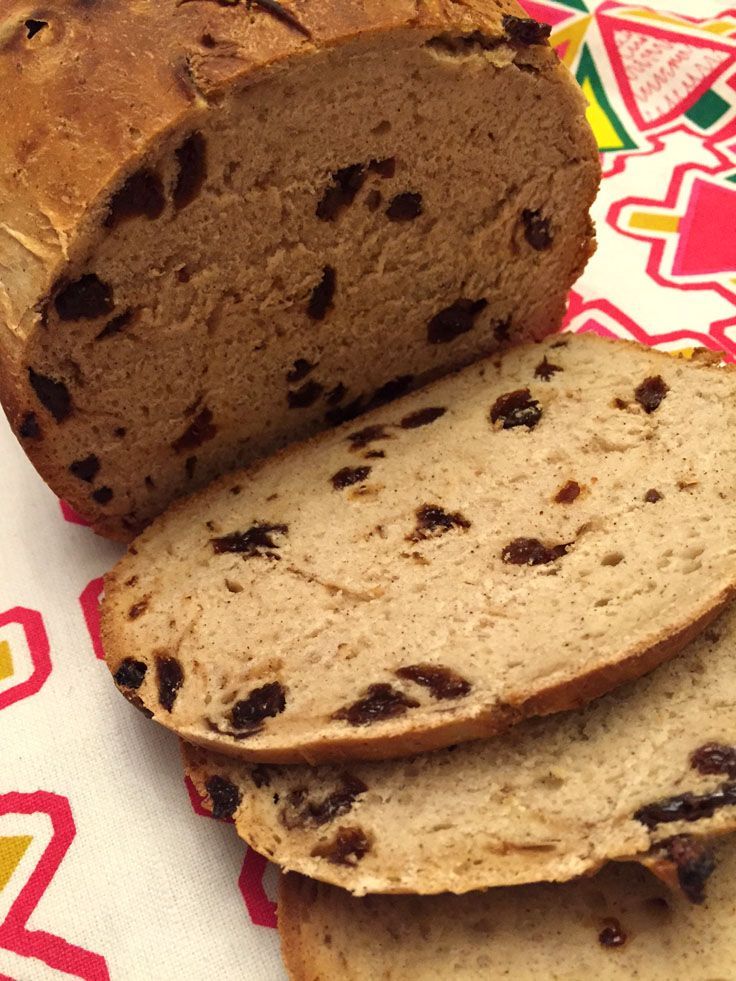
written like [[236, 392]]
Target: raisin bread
[[513, 540], [265, 217], [621, 924], [551, 800]]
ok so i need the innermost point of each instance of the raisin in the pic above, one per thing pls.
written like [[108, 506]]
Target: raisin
[[33, 27], [305, 396], [261, 775], [516, 409], [715, 758], [568, 493], [191, 158], [525, 31], [380, 701], [652, 496], [262, 703], [651, 393], [320, 302], [454, 320], [545, 369], [190, 465], [502, 330], [103, 495], [612, 934], [84, 299], [433, 519], [336, 394], [170, 678], [52, 394], [120, 432], [29, 428], [301, 812], [375, 455], [346, 183], [442, 682], [384, 168], [536, 229], [391, 390], [199, 431], [530, 551], [300, 370], [85, 469], [373, 199], [249, 543], [360, 439], [348, 847], [279, 12], [345, 413], [225, 797], [687, 807], [695, 864], [138, 609], [422, 417], [115, 325], [142, 195], [130, 674], [349, 476], [405, 207]]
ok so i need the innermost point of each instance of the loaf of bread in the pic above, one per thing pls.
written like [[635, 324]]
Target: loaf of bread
[[551, 800], [226, 225], [620, 925], [513, 540]]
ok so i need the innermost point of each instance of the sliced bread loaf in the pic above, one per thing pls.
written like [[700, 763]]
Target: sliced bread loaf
[[514, 540], [617, 926], [551, 800], [264, 217]]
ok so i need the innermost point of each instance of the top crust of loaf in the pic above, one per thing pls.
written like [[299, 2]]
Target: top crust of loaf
[[341, 605]]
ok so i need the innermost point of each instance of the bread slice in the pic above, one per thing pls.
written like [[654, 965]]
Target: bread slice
[[264, 217], [551, 800], [511, 541], [619, 925]]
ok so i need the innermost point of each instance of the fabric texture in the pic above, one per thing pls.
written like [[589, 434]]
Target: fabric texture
[[109, 868]]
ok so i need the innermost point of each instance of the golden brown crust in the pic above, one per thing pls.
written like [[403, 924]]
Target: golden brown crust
[[292, 911]]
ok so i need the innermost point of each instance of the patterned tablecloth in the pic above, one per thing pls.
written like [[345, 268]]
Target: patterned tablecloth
[[108, 866]]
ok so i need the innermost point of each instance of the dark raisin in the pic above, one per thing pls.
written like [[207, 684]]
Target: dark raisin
[[277, 10], [115, 325], [207, 40], [142, 195], [380, 701], [320, 301], [86, 468], [336, 394], [516, 409], [199, 431], [190, 465], [53, 395], [349, 476], [454, 320], [545, 369], [373, 199], [620, 404], [441, 682], [391, 390], [502, 330], [687, 807], [346, 183], [130, 674], [183, 275], [530, 551], [715, 758], [103, 495], [568, 493], [651, 393], [29, 428], [84, 299], [536, 229], [224, 795], [525, 31], [348, 847], [301, 812], [300, 370], [384, 168], [138, 609], [422, 417], [652, 496], [305, 396], [612, 934], [433, 520], [695, 864], [249, 543], [345, 413], [261, 775], [191, 159], [262, 703], [120, 432], [170, 677], [405, 207], [360, 439], [33, 27], [375, 455]]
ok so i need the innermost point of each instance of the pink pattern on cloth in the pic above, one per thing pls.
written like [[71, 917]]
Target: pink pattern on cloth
[[38, 646]]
